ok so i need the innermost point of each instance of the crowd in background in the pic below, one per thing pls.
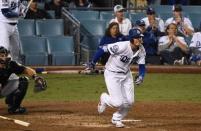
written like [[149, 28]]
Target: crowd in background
[[173, 41]]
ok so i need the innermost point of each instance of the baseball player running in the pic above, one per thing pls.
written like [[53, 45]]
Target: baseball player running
[[118, 77], [15, 89], [10, 11]]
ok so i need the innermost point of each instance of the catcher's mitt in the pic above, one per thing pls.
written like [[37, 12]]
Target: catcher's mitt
[[40, 84]]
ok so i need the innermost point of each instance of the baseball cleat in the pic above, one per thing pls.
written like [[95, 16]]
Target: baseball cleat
[[19, 110], [101, 105], [118, 123]]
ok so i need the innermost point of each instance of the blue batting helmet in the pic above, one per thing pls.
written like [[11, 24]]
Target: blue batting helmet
[[135, 33]]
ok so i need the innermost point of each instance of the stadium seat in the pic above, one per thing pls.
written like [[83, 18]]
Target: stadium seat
[[195, 19], [85, 15], [61, 50], [108, 15], [165, 16], [136, 16], [52, 13], [93, 27], [89, 46], [50, 27], [34, 50], [41, 5], [191, 9], [162, 8], [26, 27]]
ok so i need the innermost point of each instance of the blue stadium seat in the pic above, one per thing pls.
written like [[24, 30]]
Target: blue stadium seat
[[165, 16], [51, 13], [136, 16], [162, 8], [195, 19], [191, 9], [85, 15], [93, 27], [34, 50], [26, 27], [50, 27], [61, 50], [41, 5], [89, 46], [106, 15]]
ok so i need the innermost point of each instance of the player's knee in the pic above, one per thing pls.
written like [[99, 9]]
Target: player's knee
[[117, 103], [23, 84], [131, 102]]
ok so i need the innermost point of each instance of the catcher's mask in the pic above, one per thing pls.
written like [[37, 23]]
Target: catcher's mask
[[4, 55]]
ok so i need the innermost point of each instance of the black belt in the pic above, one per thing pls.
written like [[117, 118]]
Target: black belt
[[12, 23]]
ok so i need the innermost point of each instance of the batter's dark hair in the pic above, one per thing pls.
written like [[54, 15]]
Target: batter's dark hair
[[107, 31]]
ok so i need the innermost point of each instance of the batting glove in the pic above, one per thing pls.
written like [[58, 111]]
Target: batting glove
[[90, 66], [138, 79]]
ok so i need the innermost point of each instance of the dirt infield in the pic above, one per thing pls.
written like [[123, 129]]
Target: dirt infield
[[149, 69], [82, 116]]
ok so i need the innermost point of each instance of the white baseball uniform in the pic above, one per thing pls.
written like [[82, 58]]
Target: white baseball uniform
[[9, 35], [196, 41], [125, 26], [118, 77]]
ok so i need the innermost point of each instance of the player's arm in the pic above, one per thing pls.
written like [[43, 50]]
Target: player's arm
[[6, 10], [30, 72], [101, 50]]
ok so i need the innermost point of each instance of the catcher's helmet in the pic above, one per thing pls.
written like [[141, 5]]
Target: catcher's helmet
[[4, 57], [135, 33], [3, 50]]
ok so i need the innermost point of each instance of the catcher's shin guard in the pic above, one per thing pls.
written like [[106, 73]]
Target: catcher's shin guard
[[15, 99]]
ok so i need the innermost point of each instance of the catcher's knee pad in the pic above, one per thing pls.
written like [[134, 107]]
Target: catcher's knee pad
[[15, 98]]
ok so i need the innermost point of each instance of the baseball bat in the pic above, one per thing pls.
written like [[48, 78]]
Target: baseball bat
[[27, 8], [19, 122]]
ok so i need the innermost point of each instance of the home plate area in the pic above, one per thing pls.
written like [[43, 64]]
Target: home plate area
[[81, 116]]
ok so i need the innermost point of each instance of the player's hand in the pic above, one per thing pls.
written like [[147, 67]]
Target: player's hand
[[40, 84], [138, 79], [90, 66]]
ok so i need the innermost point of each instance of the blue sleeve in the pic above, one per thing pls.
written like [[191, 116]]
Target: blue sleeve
[[97, 55], [9, 13], [142, 70]]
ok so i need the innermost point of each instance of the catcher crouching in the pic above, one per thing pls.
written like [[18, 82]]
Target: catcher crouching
[[14, 87]]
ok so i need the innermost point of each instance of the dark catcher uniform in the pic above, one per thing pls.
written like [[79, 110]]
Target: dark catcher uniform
[[14, 89]]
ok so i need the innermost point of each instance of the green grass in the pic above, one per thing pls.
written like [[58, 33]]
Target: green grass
[[156, 87]]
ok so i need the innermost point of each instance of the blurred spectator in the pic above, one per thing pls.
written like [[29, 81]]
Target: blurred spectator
[[112, 35], [35, 13], [173, 49], [55, 5], [184, 25], [81, 3], [154, 2], [195, 48], [124, 23], [153, 23], [150, 44], [174, 2]]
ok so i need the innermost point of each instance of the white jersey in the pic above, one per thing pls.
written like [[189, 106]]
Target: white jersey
[[125, 26], [196, 41], [164, 40], [14, 5], [122, 56], [161, 24], [186, 21]]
